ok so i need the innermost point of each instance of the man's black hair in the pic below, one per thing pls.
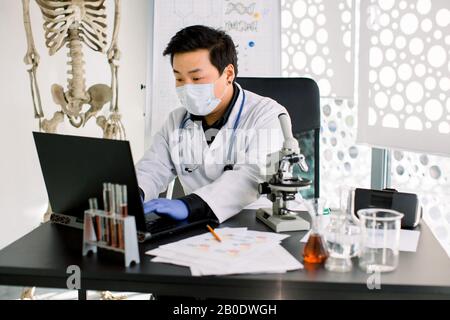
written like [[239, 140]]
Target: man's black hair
[[222, 50]]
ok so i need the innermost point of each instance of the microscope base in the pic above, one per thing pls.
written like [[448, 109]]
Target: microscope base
[[278, 224]]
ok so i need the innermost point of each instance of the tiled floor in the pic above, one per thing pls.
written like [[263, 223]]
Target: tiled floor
[[12, 293]]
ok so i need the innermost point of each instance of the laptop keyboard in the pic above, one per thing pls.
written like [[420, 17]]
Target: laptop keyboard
[[161, 224], [158, 226]]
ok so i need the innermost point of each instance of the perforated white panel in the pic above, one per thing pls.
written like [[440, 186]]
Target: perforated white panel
[[404, 74], [429, 176], [342, 162], [316, 41]]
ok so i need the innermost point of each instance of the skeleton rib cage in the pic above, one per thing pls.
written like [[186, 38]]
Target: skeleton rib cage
[[74, 23], [60, 16]]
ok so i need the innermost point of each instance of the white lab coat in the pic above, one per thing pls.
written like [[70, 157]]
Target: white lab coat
[[226, 192]]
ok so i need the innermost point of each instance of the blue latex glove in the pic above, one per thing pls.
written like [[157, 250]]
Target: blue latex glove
[[175, 209]]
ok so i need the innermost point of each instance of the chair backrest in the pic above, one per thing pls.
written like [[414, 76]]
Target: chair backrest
[[301, 98]]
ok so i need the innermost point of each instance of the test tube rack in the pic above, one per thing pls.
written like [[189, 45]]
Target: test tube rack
[[125, 239]]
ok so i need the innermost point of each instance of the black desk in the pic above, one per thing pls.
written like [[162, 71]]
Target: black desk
[[41, 258]]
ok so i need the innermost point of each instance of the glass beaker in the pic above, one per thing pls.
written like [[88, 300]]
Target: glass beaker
[[342, 241], [315, 251], [380, 239]]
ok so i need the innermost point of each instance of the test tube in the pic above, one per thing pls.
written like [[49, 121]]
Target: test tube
[[107, 207], [106, 196], [111, 215], [119, 213], [118, 199], [124, 203], [123, 213], [119, 224], [93, 204], [112, 199], [93, 207]]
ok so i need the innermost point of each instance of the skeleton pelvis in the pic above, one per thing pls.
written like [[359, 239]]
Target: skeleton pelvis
[[96, 96]]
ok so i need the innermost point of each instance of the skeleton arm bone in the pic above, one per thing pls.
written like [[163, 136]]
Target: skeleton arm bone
[[32, 58], [113, 56], [113, 51]]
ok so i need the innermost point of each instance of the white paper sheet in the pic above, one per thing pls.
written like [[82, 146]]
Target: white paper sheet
[[240, 251], [276, 260], [409, 239]]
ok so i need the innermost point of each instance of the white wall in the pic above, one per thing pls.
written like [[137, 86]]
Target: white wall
[[23, 198]]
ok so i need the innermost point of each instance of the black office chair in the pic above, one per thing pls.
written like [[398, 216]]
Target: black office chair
[[301, 98]]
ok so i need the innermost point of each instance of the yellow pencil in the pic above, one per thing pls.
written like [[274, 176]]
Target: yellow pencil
[[214, 233]]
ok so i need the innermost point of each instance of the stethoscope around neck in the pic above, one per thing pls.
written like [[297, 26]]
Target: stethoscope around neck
[[229, 163]]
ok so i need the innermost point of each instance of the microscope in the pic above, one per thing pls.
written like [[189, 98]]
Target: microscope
[[282, 186]]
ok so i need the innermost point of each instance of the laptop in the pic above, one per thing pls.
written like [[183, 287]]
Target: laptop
[[74, 170]]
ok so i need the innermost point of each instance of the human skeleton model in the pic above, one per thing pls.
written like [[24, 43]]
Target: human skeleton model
[[74, 23]]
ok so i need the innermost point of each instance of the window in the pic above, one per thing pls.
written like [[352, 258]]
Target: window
[[399, 50], [429, 177]]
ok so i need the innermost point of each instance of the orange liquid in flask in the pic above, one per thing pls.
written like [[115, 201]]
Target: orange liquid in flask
[[315, 251]]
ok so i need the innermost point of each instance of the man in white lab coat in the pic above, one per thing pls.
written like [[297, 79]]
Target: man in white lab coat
[[217, 142]]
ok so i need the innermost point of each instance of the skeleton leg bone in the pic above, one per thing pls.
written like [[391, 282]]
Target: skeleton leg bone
[[50, 126]]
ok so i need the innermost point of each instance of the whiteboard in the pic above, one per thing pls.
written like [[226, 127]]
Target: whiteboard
[[254, 26]]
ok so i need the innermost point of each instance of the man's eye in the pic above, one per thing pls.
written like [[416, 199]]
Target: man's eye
[[196, 79], [179, 80]]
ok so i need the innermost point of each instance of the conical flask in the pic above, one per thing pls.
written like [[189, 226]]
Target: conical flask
[[315, 250]]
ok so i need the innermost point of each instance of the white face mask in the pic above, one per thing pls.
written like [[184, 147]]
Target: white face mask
[[199, 99]]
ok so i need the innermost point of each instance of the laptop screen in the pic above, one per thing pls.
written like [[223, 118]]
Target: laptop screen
[[75, 168]]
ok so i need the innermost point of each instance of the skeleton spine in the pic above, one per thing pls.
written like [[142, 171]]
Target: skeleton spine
[[76, 85]]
